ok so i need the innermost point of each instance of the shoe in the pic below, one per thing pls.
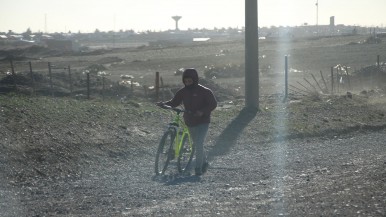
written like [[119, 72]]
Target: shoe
[[198, 172], [172, 154], [201, 171], [205, 167]]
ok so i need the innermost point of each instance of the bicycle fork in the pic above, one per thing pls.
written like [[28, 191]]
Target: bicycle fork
[[182, 136], [177, 142]]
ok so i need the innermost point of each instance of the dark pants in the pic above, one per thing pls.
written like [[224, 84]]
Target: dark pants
[[198, 134]]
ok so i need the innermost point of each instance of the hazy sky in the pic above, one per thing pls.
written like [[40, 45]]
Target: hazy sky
[[155, 15]]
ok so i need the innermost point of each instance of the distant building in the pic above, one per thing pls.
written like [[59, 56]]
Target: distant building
[[381, 34], [332, 21], [16, 37]]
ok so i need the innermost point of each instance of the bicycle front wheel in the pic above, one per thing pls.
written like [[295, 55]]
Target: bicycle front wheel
[[164, 152], [186, 154]]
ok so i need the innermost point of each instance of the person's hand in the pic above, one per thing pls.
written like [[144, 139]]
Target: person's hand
[[198, 114], [160, 104]]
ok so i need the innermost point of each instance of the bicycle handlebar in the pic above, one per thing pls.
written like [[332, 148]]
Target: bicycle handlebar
[[178, 110]]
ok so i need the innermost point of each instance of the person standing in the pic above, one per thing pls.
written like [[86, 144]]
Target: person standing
[[200, 101]]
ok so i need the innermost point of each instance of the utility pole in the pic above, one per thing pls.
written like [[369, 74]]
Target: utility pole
[[317, 16], [45, 23], [251, 55], [114, 33]]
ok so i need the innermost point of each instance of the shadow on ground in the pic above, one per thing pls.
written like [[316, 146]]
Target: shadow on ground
[[176, 179], [231, 133], [223, 145]]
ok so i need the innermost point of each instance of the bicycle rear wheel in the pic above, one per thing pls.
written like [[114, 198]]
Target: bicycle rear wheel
[[164, 152], [186, 155]]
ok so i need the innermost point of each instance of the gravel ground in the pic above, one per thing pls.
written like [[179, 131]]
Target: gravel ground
[[320, 155], [92, 169], [342, 175]]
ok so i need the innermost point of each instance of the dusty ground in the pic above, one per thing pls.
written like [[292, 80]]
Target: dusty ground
[[315, 155]]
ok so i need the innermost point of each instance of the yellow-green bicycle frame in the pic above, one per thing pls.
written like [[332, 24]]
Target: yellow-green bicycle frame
[[176, 143], [181, 132]]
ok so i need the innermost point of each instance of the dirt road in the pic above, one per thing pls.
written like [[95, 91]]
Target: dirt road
[[64, 157], [342, 175]]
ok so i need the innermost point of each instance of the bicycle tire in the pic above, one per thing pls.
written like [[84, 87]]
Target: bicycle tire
[[186, 155], [164, 152]]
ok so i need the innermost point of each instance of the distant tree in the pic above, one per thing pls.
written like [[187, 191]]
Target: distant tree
[[10, 32], [130, 31], [97, 31], [355, 31], [28, 32]]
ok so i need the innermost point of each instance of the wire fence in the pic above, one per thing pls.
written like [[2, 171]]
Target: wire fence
[[63, 81], [340, 79], [59, 80]]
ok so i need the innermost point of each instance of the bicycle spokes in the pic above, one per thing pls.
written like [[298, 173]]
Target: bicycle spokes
[[175, 143], [185, 156], [164, 151]]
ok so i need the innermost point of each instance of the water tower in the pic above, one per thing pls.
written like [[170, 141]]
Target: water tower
[[176, 18]]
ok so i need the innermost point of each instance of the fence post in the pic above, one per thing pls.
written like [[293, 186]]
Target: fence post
[[50, 74], [88, 85], [286, 77], [338, 80], [162, 87], [157, 86], [379, 69], [348, 78], [332, 80], [13, 74], [70, 78], [32, 77], [103, 87], [378, 66]]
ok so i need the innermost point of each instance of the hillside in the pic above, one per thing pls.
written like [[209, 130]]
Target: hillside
[[52, 140], [69, 156]]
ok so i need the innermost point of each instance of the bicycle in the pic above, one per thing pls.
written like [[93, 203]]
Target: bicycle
[[176, 143]]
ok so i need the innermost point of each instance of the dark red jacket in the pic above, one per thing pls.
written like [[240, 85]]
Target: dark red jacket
[[194, 98]]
